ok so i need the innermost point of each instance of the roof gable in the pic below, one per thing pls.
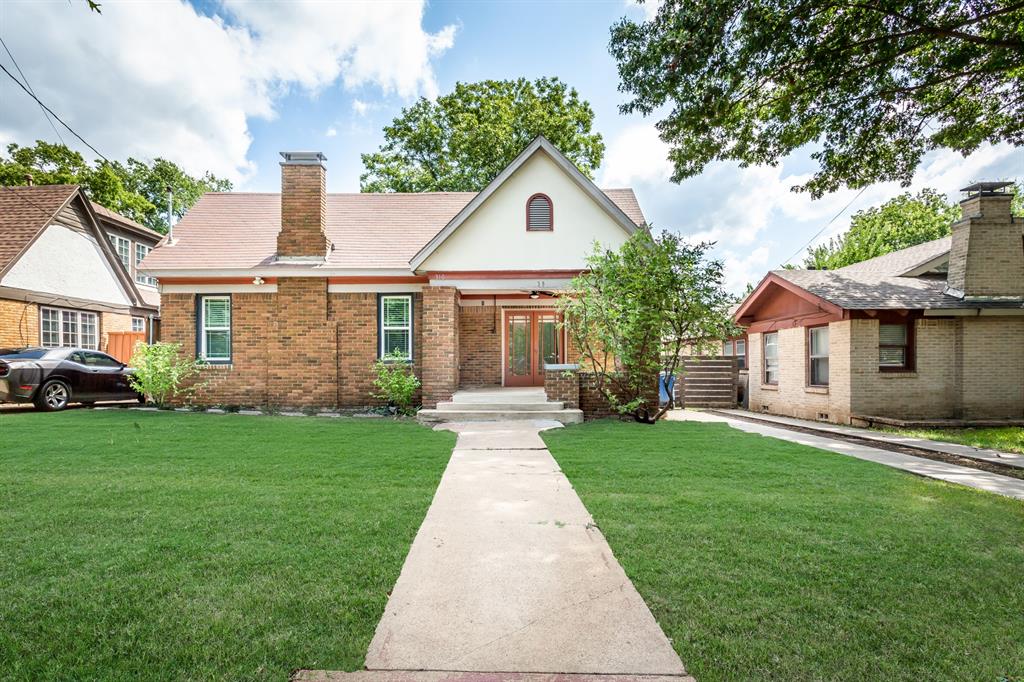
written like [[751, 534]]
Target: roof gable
[[24, 212], [540, 146], [62, 218]]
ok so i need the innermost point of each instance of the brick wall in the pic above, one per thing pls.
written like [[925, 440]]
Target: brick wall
[[355, 315], [244, 381], [965, 367], [19, 323], [563, 385], [303, 210], [993, 367], [303, 354], [480, 334], [440, 372], [930, 390], [593, 402], [792, 396], [986, 258]]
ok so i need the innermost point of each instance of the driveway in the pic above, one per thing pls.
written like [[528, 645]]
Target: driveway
[[509, 573]]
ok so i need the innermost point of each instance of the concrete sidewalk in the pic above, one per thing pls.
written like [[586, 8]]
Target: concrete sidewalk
[[951, 473], [508, 574]]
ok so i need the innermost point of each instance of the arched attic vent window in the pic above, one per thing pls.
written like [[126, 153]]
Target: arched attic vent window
[[539, 213]]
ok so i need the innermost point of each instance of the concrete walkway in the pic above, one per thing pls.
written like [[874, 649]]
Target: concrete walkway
[[951, 473], [983, 454], [508, 574]]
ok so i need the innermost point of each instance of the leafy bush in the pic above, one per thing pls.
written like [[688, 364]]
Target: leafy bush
[[160, 371], [396, 382]]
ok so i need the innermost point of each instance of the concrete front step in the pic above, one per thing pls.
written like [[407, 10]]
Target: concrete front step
[[474, 413], [500, 407]]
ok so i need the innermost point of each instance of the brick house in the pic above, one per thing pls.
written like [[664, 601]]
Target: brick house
[[930, 332], [290, 298], [68, 270]]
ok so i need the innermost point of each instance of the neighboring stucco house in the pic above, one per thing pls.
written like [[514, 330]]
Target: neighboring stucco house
[[68, 272], [292, 297], [932, 331]]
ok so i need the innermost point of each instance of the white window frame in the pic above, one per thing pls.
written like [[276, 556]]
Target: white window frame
[[140, 278], [140, 323], [384, 328], [78, 321], [766, 367], [203, 328], [126, 256], [811, 357], [741, 357]]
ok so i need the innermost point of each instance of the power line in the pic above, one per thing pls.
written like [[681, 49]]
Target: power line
[[818, 233], [33, 92], [52, 113]]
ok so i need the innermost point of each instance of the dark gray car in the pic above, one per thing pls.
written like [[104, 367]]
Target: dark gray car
[[53, 377]]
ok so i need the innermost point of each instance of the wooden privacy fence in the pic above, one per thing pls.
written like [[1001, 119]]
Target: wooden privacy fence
[[121, 344]]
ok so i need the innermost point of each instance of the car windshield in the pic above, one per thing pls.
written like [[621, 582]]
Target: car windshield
[[22, 353]]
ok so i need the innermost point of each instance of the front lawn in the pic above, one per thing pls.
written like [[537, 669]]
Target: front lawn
[[763, 559], [136, 545], [1005, 438]]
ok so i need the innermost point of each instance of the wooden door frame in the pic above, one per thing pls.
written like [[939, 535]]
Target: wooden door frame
[[534, 347]]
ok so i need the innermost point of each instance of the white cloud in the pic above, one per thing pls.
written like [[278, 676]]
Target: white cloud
[[649, 7], [359, 107], [159, 79], [331, 132], [752, 214]]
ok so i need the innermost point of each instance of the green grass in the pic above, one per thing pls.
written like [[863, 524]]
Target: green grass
[[1005, 438], [189, 546], [762, 559]]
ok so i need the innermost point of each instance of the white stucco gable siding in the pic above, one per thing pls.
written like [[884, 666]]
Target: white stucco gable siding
[[494, 237], [66, 262]]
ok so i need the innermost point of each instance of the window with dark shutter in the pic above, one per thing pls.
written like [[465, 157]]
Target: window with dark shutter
[[539, 213]]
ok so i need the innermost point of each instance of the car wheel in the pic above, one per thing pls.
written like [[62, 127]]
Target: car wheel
[[53, 396]]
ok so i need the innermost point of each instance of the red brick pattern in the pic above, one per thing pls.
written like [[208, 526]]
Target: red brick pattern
[[480, 335], [303, 354], [303, 210], [563, 385], [440, 345]]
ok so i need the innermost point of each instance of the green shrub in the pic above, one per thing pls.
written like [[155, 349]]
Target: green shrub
[[396, 382], [160, 371]]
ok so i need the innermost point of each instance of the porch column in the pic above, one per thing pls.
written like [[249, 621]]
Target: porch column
[[440, 345]]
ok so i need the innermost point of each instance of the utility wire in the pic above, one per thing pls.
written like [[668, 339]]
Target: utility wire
[[834, 218], [52, 113], [31, 91]]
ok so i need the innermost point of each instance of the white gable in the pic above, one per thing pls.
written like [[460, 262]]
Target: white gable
[[66, 262], [494, 236]]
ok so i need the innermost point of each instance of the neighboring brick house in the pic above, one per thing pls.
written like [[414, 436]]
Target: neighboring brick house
[[935, 331], [68, 272], [290, 298]]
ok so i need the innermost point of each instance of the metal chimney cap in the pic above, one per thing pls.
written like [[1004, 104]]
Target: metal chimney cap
[[303, 158], [987, 188]]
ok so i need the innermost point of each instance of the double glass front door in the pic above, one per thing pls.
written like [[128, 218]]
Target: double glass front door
[[532, 339]]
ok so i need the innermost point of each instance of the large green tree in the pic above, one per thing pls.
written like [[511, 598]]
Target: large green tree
[[873, 84], [135, 189], [634, 310], [905, 220], [460, 141]]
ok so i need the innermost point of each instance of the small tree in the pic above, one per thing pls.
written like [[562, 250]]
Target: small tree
[[160, 372], [633, 312], [396, 382]]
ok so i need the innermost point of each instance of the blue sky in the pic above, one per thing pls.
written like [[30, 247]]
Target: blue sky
[[225, 85]]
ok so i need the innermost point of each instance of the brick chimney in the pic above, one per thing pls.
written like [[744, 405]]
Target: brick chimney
[[303, 235], [987, 257]]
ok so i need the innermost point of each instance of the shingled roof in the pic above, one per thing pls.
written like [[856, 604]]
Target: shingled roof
[[882, 283], [24, 211], [238, 230]]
